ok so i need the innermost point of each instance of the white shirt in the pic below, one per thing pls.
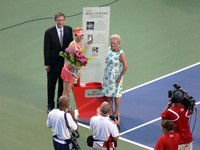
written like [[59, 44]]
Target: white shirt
[[56, 122], [58, 30], [102, 127]]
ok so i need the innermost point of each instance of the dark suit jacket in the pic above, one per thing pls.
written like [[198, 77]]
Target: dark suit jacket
[[52, 47]]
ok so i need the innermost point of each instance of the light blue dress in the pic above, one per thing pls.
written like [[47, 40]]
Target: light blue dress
[[112, 71]]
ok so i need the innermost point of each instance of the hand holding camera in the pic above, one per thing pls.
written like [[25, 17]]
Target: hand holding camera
[[116, 119], [71, 111]]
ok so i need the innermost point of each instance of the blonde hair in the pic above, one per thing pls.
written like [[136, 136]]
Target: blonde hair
[[77, 29], [116, 36]]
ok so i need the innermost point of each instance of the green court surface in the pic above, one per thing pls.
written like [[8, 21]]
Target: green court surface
[[158, 37]]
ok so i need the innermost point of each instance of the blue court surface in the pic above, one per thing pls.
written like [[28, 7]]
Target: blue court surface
[[142, 106]]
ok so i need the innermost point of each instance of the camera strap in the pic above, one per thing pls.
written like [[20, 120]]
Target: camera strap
[[72, 133], [66, 121], [70, 130]]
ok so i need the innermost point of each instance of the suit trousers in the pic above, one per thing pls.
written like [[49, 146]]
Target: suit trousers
[[52, 79]]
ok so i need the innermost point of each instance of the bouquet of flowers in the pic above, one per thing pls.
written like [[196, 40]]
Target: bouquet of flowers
[[74, 57]]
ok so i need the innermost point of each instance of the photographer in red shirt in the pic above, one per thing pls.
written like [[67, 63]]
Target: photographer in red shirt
[[177, 110]]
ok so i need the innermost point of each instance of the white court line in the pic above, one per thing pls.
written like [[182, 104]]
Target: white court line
[[123, 139], [142, 125], [161, 78], [135, 143], [147, 123], [83, 125], [152, 121], [197, 103], [137, 127]]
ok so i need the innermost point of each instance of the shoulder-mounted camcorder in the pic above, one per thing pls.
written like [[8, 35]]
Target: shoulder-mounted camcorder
[[178, 95]]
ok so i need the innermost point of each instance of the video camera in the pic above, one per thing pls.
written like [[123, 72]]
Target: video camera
[[181, 96]]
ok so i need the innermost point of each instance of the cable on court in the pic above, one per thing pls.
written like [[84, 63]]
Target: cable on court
[[46, 18]]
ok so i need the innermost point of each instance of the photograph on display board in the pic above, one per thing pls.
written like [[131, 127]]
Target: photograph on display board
[[89, 39], [90, 25], [95, 51]]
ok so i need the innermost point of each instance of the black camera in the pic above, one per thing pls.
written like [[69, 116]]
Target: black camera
[[176, 94], [74, 136], [75, 144], [114, 117], [181, 96]]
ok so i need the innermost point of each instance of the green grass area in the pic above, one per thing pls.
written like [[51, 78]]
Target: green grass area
[[158, 37]]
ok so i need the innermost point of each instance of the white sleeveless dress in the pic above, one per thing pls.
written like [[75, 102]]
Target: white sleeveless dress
[[112, 71]]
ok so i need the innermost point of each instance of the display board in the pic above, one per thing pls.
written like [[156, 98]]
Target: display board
[[96, 22]]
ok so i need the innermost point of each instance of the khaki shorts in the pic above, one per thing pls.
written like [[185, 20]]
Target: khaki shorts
[[188, 146]]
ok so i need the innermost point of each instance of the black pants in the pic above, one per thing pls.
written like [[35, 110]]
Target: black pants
[[52, 79], [58, 146]]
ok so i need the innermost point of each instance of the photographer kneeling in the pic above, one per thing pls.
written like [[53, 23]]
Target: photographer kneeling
[[57, 120], [178, 111], [105, 130]]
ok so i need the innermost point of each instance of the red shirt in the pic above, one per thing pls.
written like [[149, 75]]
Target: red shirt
[[168, 141], [180, 116]]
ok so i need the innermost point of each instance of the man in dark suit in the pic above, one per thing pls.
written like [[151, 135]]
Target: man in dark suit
[[56, 39]]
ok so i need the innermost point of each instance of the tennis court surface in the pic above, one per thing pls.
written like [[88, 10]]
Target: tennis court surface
[[141, 107]]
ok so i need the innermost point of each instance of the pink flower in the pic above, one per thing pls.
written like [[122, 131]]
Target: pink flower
[[75, 57]]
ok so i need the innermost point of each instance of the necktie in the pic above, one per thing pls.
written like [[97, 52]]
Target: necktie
[[61, 38]]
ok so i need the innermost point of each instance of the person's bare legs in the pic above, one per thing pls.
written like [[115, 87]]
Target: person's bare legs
[[110, 101], [67, 86], [117, 104]]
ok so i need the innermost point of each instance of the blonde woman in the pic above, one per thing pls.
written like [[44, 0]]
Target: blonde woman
[[70, 73], [116, 67]]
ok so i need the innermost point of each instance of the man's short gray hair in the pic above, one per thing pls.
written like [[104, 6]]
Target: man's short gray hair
[[105, 108]]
